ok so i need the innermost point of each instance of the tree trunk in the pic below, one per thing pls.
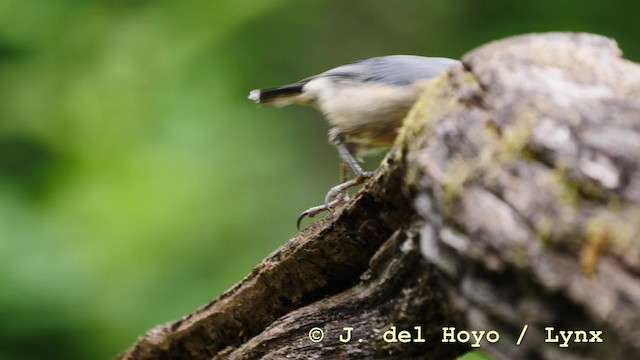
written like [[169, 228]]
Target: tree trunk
[[511, 198]]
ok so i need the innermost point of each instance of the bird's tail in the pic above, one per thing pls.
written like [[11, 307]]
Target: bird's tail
[[279, 96]]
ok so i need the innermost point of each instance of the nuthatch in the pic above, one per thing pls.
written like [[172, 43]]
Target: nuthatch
[[364, 103]]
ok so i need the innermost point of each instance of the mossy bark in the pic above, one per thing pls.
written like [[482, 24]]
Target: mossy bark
[[511, 198]]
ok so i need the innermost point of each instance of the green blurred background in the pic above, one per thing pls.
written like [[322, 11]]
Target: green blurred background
[[137, 182]]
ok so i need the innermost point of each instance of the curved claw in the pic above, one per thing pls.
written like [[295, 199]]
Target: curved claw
[[299, 220], [339, 192], [311, 212]]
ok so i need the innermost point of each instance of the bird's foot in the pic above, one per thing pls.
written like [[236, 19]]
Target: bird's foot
[[339, 192]]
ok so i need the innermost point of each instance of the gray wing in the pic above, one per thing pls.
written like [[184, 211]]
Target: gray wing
[[394, 69]]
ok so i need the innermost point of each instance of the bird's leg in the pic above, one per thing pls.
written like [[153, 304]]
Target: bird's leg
[[347, 157], [339, 191], [346, 154]]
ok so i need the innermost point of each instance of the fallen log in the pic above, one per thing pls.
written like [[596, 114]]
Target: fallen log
[[509, 209]]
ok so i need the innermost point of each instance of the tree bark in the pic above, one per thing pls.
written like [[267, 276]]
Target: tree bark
[[511, 198]]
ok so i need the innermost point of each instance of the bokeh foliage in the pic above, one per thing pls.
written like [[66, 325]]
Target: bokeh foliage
[[136, 180]]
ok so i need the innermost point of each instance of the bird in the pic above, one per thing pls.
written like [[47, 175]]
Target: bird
[[364, 103]]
